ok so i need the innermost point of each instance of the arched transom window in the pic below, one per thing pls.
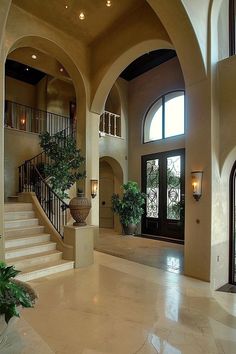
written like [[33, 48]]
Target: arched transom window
[[165, 118]]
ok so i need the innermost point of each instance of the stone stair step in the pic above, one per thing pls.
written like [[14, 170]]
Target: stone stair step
[[13, 224], [14, 252], [14, 241], [44, 270], [13, 198], [18, 207], [31, 260], [24, 231], [18, 215]]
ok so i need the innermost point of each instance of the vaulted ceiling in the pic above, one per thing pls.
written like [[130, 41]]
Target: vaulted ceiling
[[64, 14]]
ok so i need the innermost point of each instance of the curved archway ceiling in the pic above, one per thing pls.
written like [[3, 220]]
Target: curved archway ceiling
[[23, 72], [147, 62]]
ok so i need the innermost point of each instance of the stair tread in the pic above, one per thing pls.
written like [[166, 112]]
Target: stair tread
[[21, 220], [21, 237], [24, 228], [46, 266], [35, 255], [29, 246]]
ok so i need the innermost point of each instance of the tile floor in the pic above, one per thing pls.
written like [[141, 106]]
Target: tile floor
[[117, 306], [154, 253]]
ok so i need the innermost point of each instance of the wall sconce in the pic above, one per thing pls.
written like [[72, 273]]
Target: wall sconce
[[22, 121], [197, 184], [94, 187]]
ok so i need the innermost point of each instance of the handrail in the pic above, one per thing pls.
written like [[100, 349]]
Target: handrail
[[36, 109], [53, 206], [31, 180], [110, 123], [22, 117]]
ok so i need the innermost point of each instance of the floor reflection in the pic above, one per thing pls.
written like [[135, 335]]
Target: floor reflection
[[154, 253]]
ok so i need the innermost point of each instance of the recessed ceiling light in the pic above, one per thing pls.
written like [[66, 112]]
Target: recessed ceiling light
[[66, 6], [33, 56], [61, 70], [27, 69], [81, 15], [108, 3]]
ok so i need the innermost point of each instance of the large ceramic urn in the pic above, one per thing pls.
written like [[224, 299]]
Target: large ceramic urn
[[79, 209]]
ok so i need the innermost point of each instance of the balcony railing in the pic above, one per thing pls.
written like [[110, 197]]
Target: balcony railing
[[110, 123], [19, 116]]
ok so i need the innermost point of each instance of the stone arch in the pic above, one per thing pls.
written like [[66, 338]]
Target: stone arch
[[219, 30], [103, 87], [195, 35], [55, 50]]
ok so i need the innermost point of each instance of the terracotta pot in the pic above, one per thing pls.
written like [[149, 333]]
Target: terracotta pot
[[130, 229], [79, 209]]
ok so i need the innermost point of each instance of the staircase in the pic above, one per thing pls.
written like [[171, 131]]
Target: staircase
[[27, 246]]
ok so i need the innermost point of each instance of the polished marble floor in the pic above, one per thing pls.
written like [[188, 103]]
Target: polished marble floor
[[154, 253], [118, 306]]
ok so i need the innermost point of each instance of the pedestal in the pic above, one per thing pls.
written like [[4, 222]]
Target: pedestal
[[82, 239]]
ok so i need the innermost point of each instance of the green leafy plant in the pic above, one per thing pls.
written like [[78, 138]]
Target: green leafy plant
[[66, 162], [130, 207], [13, 292]]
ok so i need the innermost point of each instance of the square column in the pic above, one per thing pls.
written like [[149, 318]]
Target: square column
[[82, 239]]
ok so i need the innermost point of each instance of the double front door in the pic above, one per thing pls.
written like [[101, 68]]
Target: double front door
[[163, 183]]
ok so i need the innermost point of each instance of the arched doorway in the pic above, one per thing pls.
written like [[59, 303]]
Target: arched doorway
[[110, 180], [232, 244]]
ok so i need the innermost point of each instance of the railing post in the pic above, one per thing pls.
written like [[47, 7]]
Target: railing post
[[109, 123], [115, 116]]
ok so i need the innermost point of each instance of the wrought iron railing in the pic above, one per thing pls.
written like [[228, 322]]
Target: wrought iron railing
[[32, 179], [54, 207], [19, 116], [110, 123]]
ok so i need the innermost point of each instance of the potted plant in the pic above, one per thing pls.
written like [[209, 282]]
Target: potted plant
[[13, 295], [65, 168], [66, 162], [129, 207]]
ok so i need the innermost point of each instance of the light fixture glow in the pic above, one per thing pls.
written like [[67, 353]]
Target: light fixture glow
[[197, 184], [61, 70], [66, 6], [94, 187], [108, 3], [33, 56], [81, 15], [27, 69]]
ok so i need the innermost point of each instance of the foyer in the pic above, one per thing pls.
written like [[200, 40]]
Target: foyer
[[121, 307]]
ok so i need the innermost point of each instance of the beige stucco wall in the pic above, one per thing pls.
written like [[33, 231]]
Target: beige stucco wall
[[223, 166], [18, 147], [59, 96], [143, 92], [20, 92]]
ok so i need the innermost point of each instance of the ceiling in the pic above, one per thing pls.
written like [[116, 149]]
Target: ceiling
[[23, 72], [147, 62], [99, 18]]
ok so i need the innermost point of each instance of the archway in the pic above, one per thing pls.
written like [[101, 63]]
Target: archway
[[101, 88], [110, 181], [38, 93]]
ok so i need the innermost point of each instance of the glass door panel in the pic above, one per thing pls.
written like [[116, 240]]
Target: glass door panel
[[163, 182], [152, 188]]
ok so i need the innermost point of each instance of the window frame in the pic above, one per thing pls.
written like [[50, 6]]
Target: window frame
[[147, 125], [232, 29]]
